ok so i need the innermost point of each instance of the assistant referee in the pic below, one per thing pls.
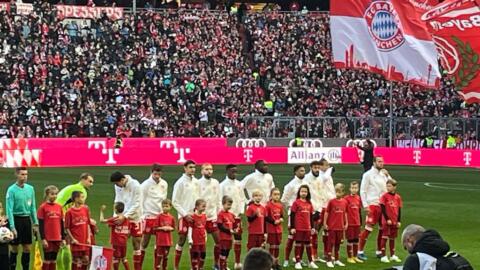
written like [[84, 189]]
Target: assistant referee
[[21, 213]]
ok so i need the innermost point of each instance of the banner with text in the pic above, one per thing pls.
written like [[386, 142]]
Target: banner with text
[[175, 151]]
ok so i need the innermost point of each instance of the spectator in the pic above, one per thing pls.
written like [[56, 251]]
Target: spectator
[[427, 250], [258, 259]]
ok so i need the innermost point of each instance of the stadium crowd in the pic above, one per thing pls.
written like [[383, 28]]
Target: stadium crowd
[[188, 73]]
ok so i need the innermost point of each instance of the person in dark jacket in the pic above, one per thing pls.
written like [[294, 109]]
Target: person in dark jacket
[[367, 154], [426, 248]]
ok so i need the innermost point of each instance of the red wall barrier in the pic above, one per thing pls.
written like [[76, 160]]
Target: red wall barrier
[[174, 151]]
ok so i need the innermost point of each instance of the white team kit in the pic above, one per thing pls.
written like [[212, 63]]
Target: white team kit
[[153, 194], [322, 188], [185, 193], [210, 192], [374, 184], [234, 189], [131, 197], [290, 192], [259, 181]]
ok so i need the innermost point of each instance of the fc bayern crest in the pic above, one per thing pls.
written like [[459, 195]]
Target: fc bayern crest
[[383, 25], [100, 263]]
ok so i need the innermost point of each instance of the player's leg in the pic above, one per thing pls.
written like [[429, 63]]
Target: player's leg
[[202, 256], [237, 242], [166, 251], [288, 248], [182, 237], [350, 241], [85, 262], [225, 247], [136, 234], [371, 221], [213, 230], [144, 245], [26, 256], [13, 255], [393, 235]]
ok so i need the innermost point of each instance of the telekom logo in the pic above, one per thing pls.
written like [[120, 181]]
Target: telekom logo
[[181, 151], [248, 154], [105, 150], [467, 157], [417, 155]]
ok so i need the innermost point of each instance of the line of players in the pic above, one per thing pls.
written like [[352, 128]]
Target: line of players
[[207, 206]]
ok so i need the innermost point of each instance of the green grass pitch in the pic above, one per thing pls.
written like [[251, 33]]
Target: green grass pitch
[[449, 203]]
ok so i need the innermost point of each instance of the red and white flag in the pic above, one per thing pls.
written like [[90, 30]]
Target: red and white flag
[[455, 26], [101, 258], [385, 37]]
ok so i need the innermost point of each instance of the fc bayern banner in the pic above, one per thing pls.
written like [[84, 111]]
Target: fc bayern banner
[[455, 26], [385, 37], [101, 258]]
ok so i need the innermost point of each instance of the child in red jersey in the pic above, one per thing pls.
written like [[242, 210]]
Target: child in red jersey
[[225, 222], [274, 220], [256, 221], [301, 222], [354, 217], [50, 215], [335, 223], [118, 235], [391, 204], [77, 222], [198, 231], [163, 233]]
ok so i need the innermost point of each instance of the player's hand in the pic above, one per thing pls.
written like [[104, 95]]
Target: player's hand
[[64, 243], [389, 222], [367, 210], [188, 218], [103, 207], [399, 224], [35, 229], [119, 220], [325, 227], [74, 241], [14, 233], [281, 220], [45, 243], [385, 172], [93, 222], [313, 231], [292, 231]]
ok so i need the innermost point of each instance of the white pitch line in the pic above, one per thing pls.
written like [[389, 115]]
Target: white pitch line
[[452, 186]]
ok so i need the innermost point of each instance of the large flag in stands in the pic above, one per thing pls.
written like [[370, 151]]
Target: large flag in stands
[[386, 37], [455, 26]]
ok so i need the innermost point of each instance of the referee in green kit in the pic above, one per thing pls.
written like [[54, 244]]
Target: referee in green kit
[[21, 213]]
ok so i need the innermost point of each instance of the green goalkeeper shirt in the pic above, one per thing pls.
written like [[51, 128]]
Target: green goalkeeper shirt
[[21, 202], [65, 195]]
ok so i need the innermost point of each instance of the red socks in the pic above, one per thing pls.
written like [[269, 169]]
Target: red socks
[[315, 245], [363, 239], [288, 247], [237, 248], [216, 253], [350, 249], [178, 255], [392, 246], [137, 260], [298, 252]]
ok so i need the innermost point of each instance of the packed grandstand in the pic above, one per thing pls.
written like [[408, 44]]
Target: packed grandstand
[[191, 73]]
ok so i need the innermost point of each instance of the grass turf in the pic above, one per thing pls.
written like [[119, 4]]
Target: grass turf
[[449, 203]]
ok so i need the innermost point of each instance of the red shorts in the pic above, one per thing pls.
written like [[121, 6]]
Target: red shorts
[[80, 253], [211, 226], [226, 244], [390, 231], [353, 232], [74, 248], [135, 228], [198, 248], [53, 246], [303, 236], [255, 240], [162, 250], [237, 225], [182, 226], [119, 251], [374, 215], [274, 239], [335, 237], [149, 223]]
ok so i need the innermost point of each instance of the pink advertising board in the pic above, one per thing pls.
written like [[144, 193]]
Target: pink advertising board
[[174, 151], [419, 156]]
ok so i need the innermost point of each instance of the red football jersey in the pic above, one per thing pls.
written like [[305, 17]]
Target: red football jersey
[[336, 210], [52, 215], [164, 239], [392, 202], [77, 220], [227, 219], [303, 212], [119, 233], [199, 230], [257, 226], [275, 212], [354, 206]]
